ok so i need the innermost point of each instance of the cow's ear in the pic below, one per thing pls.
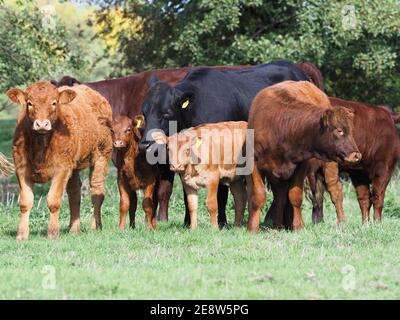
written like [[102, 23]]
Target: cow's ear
[[327, 118], [349, 113], [184, 100], [159, 137], [152, 81], [138, 122], [16, 96], [54, 82], [66, 96]]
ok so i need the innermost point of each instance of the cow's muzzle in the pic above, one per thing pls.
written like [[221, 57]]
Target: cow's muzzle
[[353, 157], [119, 144], [42, 126]]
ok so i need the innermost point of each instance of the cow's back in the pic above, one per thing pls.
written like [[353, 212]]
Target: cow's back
[[226, 95], [221, 146]]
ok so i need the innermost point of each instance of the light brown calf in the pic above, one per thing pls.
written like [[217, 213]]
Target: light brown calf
[[204, 156], [134, 172], [58, 133]]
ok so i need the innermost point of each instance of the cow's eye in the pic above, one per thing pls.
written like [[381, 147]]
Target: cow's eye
[[54, 104], [29, 104], [129, 130], [340, 131]]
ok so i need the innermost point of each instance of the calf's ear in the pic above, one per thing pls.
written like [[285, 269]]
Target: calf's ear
[[159, 137], [16, 96], [66, 96], [138, 122]]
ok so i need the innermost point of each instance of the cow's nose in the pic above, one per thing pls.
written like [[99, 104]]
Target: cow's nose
[[119, 144], [42, 125], [354, 157]]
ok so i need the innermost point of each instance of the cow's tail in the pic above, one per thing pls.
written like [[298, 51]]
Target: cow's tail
[[312, 72], [6, 167]]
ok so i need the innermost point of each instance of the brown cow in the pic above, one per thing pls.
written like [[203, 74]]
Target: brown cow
[[376, 137], [126, 96], [294, 122], [134, 172], [204, 156], [58, 133]]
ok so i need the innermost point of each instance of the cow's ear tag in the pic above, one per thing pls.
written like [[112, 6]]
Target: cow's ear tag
[[185, 104], [198, 143], [138, 123]]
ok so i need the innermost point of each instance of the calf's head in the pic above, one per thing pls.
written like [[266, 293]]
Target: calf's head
[[162, 104], [42, 101], [126, 131], [336, 135]]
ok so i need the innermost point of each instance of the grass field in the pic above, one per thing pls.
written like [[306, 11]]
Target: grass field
[[321, 262]]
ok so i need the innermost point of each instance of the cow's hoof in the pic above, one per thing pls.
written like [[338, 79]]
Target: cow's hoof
[[96, 226], [75, 228], [298, 226], [22, 235], [53, 234], [162, 218]]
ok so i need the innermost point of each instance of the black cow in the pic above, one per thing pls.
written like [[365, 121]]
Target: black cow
[[209, 96]]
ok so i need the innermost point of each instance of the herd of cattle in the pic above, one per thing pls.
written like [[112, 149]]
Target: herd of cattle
[[65, 126]]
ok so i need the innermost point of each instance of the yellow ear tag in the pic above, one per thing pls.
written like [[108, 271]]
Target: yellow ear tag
[[138, 123], [185, 104], [198, 143]]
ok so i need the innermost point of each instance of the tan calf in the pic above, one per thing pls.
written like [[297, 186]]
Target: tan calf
[[204, 156], [58, 133]]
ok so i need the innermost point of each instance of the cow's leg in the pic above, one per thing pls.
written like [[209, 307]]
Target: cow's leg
[[361, 184], [124, 200], [379, 185], [192, 201], [257, 196], [238, 190], [132, 208], [26, 198], [54, 199], [98, 174], [280, 191], [222, 195], [212, 202], [165, 191], [186, 222], [317, 192], [74, 198], [148, 206], [331, 174], [296, 195]]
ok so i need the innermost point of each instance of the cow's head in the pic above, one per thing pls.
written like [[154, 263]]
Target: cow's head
[[336, 135], [162, 104], [126, 131], [42, 101], [183, 149]]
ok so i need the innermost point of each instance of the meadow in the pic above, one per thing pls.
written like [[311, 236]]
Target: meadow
[[322, 261]]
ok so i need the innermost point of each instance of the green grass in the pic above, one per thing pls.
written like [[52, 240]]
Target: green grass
[[321, 262]]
